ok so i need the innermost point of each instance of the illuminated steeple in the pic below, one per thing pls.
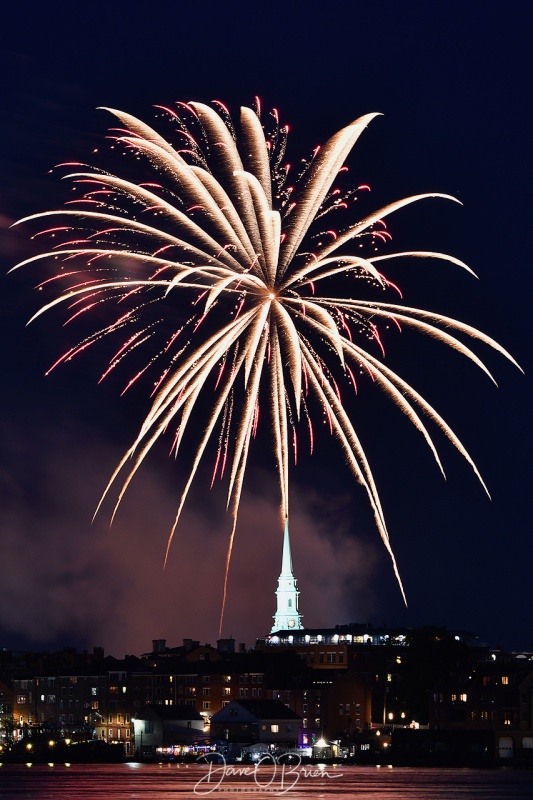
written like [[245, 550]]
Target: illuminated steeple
[[287, 616]]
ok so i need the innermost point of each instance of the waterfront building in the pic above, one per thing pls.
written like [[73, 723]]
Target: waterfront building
[[166, 729], [249, 722]]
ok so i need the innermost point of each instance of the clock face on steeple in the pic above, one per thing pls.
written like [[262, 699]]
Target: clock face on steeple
[[291, 623]]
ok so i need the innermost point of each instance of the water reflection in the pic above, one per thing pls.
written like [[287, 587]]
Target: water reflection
[[135, 781]]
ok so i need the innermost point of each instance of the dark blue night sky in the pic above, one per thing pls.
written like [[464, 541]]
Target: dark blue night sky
[[453, 83]]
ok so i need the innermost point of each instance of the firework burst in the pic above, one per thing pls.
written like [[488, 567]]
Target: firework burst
[[256, 289]]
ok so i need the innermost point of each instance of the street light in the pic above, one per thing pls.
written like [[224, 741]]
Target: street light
[[320, 745]]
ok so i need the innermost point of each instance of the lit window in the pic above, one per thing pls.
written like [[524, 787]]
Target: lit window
[[505, 680], [463, 698], [274, 728]]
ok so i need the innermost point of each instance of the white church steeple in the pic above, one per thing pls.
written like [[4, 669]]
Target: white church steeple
[[287, 616]]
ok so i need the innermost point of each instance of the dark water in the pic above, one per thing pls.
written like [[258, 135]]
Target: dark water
[[154, 782]]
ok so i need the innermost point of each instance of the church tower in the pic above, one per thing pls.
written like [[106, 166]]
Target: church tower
[[287, 616]]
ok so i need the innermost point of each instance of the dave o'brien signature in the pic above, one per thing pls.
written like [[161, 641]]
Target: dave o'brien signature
[[283, 777]]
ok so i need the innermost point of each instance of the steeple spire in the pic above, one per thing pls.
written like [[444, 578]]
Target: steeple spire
[[287, 616], [286, 561]]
